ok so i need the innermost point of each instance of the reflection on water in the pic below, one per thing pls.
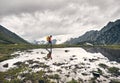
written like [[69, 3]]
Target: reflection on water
[[111, 54], [49, 55]]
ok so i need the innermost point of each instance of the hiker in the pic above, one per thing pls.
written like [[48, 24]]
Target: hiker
[[49, 43]]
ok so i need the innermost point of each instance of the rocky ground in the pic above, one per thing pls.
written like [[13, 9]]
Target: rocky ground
[[72, 65]]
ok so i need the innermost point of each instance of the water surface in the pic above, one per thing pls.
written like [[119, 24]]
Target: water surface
[[68, 63]]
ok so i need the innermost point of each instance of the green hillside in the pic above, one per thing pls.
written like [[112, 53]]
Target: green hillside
[[8, 37]]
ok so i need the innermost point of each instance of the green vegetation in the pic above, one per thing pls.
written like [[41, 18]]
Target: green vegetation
[[8, 37], [114, 71], [22, 74], [100, 71], [11, 75], [103, 65], [82, 45], [73, 81], [7, 49], [111, 46], [34, 76], [115, 81], [55, 76], [92, 80], [84, 74]]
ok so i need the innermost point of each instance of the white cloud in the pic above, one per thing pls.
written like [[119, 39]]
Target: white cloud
[[34, 19]]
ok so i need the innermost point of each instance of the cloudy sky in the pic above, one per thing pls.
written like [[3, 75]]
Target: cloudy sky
[[33, 19]]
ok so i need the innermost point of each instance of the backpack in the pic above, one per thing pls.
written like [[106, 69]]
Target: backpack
[[47, 38]]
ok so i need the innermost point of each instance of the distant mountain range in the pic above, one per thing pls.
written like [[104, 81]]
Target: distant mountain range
[[109, 34], [8, 37], [56, 39]]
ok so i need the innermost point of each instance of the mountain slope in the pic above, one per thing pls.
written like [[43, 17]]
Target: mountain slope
[[9, 37], [109, 34]]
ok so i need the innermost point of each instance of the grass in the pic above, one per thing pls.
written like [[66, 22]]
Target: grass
[[55, 76], [7, 49], [103, 65], [73, 81], [34, 76], [92, 80], [115, 81], [11, 74], [100, 71], [111, 47], [23, 71], [114, 70]]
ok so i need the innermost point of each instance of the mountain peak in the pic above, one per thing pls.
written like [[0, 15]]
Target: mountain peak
[[109, 34], [9, 37]]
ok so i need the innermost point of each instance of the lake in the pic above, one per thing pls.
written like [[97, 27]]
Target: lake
[[68, 63]]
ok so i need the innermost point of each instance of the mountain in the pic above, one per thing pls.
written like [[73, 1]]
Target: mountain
[[8, 37], [109, 34]]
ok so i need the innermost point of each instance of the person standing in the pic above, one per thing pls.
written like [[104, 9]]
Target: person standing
[[49, 43]]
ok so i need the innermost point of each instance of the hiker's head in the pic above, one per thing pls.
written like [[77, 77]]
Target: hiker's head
[[50, 53], [50, 35]]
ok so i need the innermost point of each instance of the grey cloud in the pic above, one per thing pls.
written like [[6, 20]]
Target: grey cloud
[[105, 6], [21, 6], [38, 18], [29, 6]]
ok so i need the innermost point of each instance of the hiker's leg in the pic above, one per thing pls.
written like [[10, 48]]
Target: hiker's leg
[[51, 46], [47, 45]]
